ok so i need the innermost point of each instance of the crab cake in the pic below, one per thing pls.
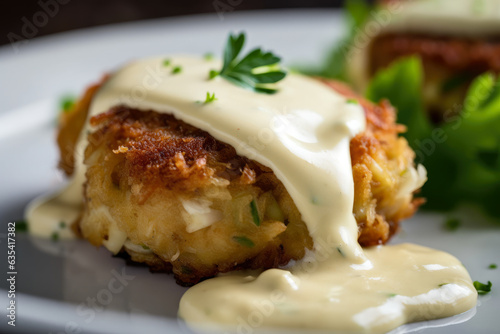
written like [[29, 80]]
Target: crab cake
[[455, 46], [174, 197]]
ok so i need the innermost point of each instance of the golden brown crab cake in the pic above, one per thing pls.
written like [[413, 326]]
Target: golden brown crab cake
[[174, 197]]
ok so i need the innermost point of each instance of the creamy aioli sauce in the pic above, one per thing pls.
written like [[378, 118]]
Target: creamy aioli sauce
[[303, 134]]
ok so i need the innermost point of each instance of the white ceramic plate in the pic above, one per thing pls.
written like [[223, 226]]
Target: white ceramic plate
[[71, 287]]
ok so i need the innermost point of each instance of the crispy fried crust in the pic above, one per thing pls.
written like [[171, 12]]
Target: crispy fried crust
[[379, 159], [143, 167], [71, 124], [456, 54]]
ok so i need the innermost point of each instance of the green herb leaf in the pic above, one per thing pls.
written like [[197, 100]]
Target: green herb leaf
[[144, 246], [482, 288], [55, 236], [67, 103], [212, 74], [255, 213], [62, 225], [256, 71], [401, 83], [208, 56], [176, 70], [440, 285], [166, 62], [492, 266], [21, 226], [452, 224], [210, 98], [244, 241]]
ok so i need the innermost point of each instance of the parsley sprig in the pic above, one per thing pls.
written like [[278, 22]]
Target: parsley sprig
[[209, 98], [482, 288], [257, 71]]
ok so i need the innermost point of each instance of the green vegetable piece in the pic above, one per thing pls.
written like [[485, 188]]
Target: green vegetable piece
[[210, 98], [21, 226], [244, 241], [212, 74], [62, 225], [67, 103], [177, 70], [452, 224], [401, 83], [166, 62], [255, 212], [482, 288], [492, 266], [55, 236]]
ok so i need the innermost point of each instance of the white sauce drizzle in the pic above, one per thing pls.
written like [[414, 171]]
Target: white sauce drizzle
[[303, 134]]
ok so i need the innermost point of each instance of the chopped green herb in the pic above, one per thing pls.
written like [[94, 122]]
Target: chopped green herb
[[244, 241], [256, 71], [492, 266], [210, 98], [62, 225], [440, 285], [176, 70], [390, 295], [21, 226], [55, 236], [352, 101], [255, 213], [144, 246], [67, 103], [212, 74], [166, 62], [482, 288], [208, 56], [452, 224], [341, 252]]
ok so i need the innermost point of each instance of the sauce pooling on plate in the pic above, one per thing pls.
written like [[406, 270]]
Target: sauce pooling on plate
[[302, 133]]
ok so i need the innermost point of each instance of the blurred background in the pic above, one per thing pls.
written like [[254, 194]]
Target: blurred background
[[75, 14]]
